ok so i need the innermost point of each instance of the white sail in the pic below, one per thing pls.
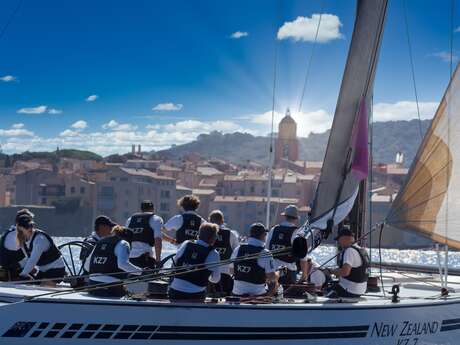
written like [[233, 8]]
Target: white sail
[[429, 203]]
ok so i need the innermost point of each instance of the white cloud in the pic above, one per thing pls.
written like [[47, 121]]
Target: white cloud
[[8, 78], [34, 110], [115, 126], [16, 130], [54, 111], [304, 29], [445, 56], [81, 124], [168, 107], [91, 98], [69, 133], [403, 110], [457, 29], [239, 34]]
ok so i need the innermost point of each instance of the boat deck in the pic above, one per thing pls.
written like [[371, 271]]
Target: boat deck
[[414, 289]]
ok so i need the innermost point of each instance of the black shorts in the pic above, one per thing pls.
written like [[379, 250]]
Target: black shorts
[[224, 287], [56, 274]]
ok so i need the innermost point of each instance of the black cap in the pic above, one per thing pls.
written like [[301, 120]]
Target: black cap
[[25, 221], [257, 229], [103, 220], [146, 205], [344, 231]]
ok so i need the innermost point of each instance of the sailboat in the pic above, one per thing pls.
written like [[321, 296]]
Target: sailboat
[[415, 312]]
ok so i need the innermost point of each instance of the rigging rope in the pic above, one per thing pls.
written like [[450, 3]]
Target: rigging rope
[[307, 73], [10, 18], [411, 59]]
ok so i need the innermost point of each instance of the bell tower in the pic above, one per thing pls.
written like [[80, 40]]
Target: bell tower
[[287, 145]]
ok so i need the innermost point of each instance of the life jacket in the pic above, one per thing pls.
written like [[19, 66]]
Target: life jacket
[[190, 226], [194, 254], [47, 257], [222, 245], [104, 260], [281, 239], [9, 258], [249, 270], [357, 274], [142, 232]]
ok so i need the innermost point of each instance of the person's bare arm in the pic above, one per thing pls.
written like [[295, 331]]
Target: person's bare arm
[[167, 237], [272, 279], [344, 271], [305, 268]]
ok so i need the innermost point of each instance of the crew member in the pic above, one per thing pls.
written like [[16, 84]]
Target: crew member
[[227, 241], [185, 226], [12, 258], [109, 264], [281, 237], [200, 265], [252, 274], [102, 228], [41, 252], [146, 227], [353, 264]]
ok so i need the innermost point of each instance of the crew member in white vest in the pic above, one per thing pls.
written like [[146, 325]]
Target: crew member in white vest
[[251, 275], [353, 264], [185, 226]]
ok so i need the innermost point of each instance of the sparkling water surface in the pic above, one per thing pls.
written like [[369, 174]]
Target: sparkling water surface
[[324, 253]]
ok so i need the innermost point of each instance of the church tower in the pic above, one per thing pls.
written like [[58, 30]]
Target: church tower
[[287, 145]]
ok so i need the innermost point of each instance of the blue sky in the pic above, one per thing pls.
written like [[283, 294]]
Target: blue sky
[[161, 72]]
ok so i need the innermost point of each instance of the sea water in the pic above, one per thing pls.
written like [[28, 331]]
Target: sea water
[[324, 253]]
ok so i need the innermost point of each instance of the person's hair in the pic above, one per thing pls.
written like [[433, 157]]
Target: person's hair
[[189, 202], [118, 230], [20, 237], [216, 217], [147, 206], [23, 212], [257, 231], [208, 232]]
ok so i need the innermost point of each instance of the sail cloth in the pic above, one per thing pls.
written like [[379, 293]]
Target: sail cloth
[[343, 166], [429, 202]]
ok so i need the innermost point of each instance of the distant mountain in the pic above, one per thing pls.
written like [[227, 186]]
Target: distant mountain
[[388, 138], [50, 157]]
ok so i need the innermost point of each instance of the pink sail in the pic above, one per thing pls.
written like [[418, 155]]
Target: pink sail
[[360, 164]]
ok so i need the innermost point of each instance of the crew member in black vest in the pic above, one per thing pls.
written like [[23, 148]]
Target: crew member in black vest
[[103, 226], [281, 237], [41, 253], [200, 262], [251, 275], [12, 258], [226, 243], [146, 227], [185, 226], [109, 263], [353, 267]]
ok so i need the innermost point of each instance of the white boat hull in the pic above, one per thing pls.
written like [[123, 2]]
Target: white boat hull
[[97, 321]]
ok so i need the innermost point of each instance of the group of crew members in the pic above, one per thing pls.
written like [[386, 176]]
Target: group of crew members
[[209, 257]]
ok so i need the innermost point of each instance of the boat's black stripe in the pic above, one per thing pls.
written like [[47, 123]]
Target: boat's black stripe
[[100, 331], [450, 321], [200, 329], [450, 327]]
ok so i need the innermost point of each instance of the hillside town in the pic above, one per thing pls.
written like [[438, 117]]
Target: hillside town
[[66, 195]]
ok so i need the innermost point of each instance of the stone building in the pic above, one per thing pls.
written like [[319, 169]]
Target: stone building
[[287, 144]]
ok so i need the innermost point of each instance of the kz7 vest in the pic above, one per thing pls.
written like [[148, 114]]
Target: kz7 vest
[[189, 229], [248, 270], [104, 260], [52, 254], [140, 224], [195, 256], [357, 274], [9, 258], [281, 239], [222, 245]]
